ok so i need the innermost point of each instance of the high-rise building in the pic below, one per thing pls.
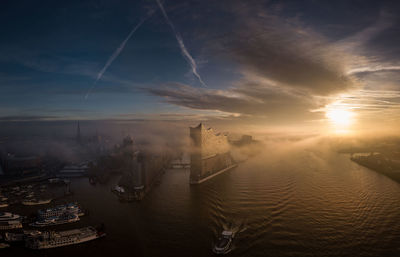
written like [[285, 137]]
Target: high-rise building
[[210, 154]]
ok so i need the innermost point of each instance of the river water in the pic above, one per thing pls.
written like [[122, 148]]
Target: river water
[[302, 203]]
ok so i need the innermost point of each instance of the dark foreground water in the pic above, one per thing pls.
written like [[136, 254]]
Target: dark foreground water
[[302, 203]]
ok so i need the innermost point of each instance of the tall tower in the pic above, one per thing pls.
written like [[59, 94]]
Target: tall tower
[[78, 133]]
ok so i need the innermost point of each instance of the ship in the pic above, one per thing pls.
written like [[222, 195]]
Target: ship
[[36, 202], [19, 237], [62, 219], [10, 220], [224, 243], [11, 224], [52, 239], [8, 216], [59, 210]]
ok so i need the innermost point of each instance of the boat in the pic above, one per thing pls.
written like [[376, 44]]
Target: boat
[[52, 239], [13, 237], [30, 195], [8, 216], [12, 224], [36, 202], [54, 180], [3, 204], [63, 219], [3, 245], [59, 210], [19, 237], [224, 242]]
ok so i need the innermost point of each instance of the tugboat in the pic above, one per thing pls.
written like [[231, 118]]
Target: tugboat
[[224, 242]]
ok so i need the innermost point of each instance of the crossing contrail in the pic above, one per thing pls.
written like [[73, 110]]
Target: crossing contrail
[[114, 56], [184, 51]]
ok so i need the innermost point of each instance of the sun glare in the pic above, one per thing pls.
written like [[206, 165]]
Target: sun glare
[[340, 118]]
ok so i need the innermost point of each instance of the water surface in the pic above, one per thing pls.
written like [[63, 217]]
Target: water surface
[[302, 203]]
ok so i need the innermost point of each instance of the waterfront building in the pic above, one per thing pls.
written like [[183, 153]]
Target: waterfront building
[[210, 154]]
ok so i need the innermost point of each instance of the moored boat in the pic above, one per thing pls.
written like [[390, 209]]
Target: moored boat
[[54, 239], [59, 210], [19, 237], [63, 219], [36, 202], [12, 224], [8, 216]]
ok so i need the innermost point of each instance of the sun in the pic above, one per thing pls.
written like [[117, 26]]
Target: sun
[[340, 118]]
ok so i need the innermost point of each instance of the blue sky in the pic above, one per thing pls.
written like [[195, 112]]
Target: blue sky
[[280, 62]]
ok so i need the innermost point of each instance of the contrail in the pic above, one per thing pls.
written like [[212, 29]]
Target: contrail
[[114, 56], [184, 51]]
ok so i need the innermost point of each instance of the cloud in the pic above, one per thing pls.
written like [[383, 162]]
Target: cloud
[[372, 69], [361, 38], [266, 45], [27, 118], [246, 100], [287, 69]]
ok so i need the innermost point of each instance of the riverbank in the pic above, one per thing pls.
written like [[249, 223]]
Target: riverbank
[[380, 164]]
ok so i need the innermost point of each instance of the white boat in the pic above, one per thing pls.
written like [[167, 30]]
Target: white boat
[[54, 239], [224, 242], [3, 204], [8, 216], [119, 189], [59, 210], [19, 237], [36, 202], [67, 218]]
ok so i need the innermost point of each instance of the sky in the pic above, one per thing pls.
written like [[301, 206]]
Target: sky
[[315, 65]]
